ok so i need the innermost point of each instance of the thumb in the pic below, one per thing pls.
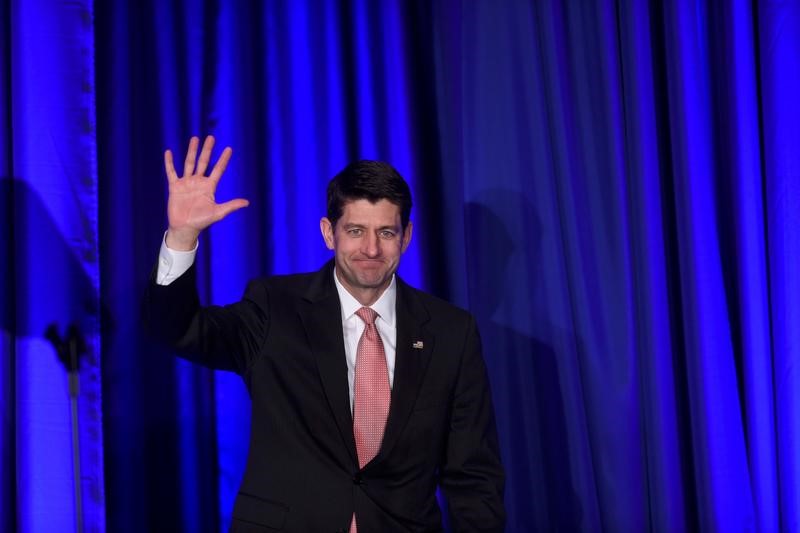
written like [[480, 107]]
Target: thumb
[[229, 207]]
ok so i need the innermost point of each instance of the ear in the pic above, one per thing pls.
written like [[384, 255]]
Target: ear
[[326, 228], [407, 236]]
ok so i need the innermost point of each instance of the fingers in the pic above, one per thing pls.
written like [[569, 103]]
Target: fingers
[[191, 157], [205, 156], [169, 166], [189, 168], [221, 165], [229, 207]]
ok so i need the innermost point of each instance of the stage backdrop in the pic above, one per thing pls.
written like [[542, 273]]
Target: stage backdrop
[[613, 189]]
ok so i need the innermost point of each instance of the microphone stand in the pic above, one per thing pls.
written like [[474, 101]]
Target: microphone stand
[[69, 350]]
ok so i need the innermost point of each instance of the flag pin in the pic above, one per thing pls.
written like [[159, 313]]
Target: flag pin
[[418, 345]]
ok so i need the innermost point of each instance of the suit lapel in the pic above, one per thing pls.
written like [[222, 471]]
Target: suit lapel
[[414, 346], [321, 318]]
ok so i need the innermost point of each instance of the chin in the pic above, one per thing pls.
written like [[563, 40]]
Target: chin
[[372, 283]]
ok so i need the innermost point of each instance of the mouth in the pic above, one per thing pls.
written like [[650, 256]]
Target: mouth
[[369, 263]]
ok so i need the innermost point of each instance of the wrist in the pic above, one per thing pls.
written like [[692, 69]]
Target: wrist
[[181, 240]]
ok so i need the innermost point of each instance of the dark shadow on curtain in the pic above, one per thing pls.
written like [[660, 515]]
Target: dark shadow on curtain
[[8, 493], [61, 272], [30, 283], [60, 283], [524, 374]]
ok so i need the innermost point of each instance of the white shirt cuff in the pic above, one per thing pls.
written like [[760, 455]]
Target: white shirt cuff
[[172, 264]]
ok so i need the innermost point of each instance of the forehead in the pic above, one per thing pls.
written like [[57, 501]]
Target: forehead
[[365, 213]]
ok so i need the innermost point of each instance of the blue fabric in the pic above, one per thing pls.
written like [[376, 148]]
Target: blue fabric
[[611, 188], [51, 269]]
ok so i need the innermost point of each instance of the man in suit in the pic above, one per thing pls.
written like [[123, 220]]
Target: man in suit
[[367, 394]]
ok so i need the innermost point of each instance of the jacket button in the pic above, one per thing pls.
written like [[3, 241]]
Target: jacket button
[[357, 479]]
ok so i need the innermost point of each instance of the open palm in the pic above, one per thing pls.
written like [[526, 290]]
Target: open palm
[[192, 206]]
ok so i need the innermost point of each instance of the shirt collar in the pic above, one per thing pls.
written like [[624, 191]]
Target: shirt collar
[[384, 306]]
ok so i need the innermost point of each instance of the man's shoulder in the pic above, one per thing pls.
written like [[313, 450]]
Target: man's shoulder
[[298, 279], [284, 288], [292, 283]]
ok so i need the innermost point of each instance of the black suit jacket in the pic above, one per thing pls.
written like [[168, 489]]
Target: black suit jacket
[[285, 339]]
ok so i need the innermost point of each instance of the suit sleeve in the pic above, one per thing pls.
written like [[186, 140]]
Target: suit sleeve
[[472, 477], [223, 338]]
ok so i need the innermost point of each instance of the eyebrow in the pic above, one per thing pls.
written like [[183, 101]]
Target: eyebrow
[[362, 226]]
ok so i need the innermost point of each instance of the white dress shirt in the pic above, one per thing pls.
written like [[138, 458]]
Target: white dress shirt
[[173, 263], [353, 327]]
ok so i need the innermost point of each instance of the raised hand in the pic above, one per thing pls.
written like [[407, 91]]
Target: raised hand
[[191, 207]]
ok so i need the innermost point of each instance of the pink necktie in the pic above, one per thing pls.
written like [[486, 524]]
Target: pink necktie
[[371, 393]]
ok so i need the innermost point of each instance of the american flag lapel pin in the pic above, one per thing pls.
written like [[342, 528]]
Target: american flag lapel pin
[[418, 345]]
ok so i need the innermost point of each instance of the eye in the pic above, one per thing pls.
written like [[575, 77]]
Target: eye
[[387, 234], [355, 232]]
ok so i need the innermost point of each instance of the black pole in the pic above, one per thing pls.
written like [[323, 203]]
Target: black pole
[[69, 350], [74, 390]]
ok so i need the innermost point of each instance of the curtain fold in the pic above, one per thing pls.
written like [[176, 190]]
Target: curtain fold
[[618, 172], [8, 471], [778, 43], [52, 425]]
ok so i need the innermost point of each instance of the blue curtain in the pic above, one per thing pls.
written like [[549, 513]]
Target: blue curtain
[[612, 188], [629, 206], [51, 435]]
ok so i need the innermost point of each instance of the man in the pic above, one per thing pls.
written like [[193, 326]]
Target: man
[[367, 394]]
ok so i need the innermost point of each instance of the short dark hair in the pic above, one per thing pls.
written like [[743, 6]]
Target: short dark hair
[[368, 180]]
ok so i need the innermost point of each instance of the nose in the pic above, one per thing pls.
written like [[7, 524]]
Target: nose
[[371, 246]]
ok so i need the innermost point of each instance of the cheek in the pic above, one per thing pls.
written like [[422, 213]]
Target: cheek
[[394, 251], [345, 249]]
